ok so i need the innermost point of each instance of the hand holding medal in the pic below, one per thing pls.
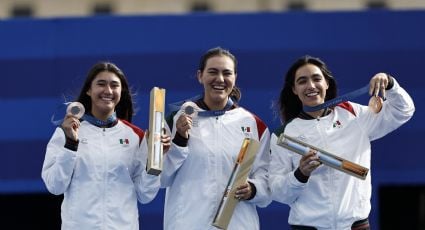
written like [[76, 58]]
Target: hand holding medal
[[71, 122], [377, 85], [184, 123], [190, 108]]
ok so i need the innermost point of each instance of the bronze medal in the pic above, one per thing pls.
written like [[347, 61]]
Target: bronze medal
[[375, 104]]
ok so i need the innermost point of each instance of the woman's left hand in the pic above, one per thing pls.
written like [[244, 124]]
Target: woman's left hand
[[243, 192], [378, 84], [166, 141]]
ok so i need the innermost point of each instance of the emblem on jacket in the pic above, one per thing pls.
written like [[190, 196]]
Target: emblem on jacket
[[124, 142], [337, 124], [246, 130]]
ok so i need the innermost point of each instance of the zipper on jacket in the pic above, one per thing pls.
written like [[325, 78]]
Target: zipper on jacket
[[105, 178]]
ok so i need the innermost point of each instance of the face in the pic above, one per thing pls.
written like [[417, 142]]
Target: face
[[105, 93], [310, 85], [218, 79]]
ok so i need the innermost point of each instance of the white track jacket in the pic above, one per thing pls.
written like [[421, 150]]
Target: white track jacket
[[103, 179], [332, 199], [196, 176]]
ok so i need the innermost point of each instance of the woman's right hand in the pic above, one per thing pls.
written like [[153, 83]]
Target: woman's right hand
[[70, 126], [183, 125], [308, 163]]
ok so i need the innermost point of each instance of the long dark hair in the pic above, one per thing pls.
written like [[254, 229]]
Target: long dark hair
[[124, 108], [235, 94], [289, 103]]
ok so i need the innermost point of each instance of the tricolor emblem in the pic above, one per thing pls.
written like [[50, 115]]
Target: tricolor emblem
[[337, 124], [246, 129], [124, 141]]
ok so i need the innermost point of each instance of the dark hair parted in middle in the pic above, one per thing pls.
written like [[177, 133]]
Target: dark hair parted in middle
[[289, 103], [124, 108]]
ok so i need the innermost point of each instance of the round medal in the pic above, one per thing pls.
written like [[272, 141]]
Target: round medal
[[76, 109], [375, 104]]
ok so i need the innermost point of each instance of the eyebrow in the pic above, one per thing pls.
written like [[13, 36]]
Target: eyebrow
[[106, 81], [216, 69], [212, 68], [305, 77]]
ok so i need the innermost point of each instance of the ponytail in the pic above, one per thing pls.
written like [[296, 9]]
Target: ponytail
[[236, 94]]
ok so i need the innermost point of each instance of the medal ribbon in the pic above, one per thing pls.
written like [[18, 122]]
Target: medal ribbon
[[337, 100], [203, 113]]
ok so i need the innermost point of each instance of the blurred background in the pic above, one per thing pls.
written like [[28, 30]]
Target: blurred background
[[47, 47], [85, 8]]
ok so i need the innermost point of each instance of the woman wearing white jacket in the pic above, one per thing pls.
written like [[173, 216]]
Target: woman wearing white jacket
[[204, 151], [99, 162], [321, 197]]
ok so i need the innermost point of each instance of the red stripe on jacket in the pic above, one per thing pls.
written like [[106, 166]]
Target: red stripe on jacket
[[136, 129], [347, 106], [261, 126]]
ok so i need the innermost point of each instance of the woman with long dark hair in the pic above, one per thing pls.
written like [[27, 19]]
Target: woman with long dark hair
[[99, 162], [322, 197]]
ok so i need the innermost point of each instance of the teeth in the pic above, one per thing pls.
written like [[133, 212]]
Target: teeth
[[218, 87], [312, 94]]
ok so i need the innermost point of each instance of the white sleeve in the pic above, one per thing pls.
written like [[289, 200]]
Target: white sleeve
[[146, 185], [397, 109], [284, 186], [58, 165], [173, 159], [260, 172]]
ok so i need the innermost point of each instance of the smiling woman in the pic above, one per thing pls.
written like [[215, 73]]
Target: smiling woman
[[106, 89], [346, 129], [105, 93], [103, 175], [205, 148], [310, 85], [218, 77]]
